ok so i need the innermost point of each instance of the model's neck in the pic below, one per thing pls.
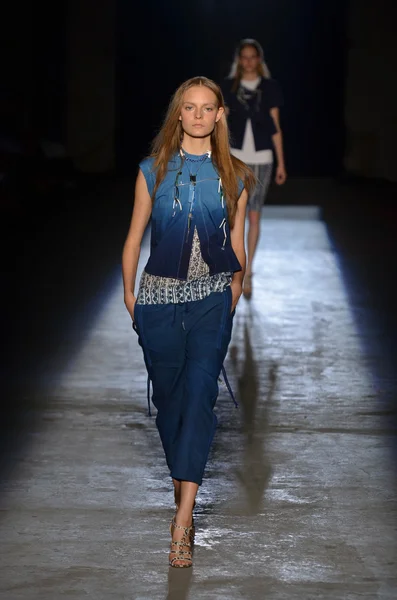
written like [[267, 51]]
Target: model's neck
[[249, 76], [196, 145]]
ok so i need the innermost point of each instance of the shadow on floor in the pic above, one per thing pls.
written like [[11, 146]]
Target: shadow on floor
[[255, 471]]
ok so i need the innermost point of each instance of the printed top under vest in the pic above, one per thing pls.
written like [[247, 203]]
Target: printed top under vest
[[191, 253], [199, 284]]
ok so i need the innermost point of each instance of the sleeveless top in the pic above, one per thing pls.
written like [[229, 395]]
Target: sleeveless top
[[177, 271]]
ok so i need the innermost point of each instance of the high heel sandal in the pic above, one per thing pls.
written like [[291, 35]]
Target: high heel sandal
[[192, 528], [182, 556], [173, 523]]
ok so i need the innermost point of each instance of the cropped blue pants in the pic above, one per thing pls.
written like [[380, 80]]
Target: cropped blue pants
[[184, 346]]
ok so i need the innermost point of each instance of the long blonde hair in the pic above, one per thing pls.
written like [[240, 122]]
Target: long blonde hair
[[169, 139]]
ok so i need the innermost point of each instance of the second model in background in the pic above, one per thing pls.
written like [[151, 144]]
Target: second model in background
[[253, 102]]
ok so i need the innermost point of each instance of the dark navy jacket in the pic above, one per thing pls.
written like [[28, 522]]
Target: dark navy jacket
[[177, 197], [267, 95]]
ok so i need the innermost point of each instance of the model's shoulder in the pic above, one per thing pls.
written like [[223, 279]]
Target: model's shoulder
[[149, 168], [147, 164], [240, 185]]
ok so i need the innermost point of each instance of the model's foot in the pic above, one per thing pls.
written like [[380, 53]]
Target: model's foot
[[181, 545]]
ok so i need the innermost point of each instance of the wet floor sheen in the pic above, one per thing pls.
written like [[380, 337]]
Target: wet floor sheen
[[299, 500]]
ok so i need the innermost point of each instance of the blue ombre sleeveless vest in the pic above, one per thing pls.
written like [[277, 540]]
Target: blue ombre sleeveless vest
[[189, 197]]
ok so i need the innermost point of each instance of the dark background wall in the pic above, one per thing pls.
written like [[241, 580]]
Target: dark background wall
[[16, 100], [91, 84], [58, 79], [97, 76], [34, 78], [162, 44], [371, 97]]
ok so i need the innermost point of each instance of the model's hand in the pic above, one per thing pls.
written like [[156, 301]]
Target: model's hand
[[237, 290], [281, 175], [129, 301]]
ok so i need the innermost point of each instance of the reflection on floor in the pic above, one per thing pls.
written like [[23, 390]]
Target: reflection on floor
[[299, 498]]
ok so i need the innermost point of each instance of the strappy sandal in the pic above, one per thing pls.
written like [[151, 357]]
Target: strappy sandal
[[183, 558], [247, 287], [192, 527], [172, 524]]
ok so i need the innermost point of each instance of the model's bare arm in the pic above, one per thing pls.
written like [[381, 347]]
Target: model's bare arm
[[281, 173], [238, 245], [132, 247]]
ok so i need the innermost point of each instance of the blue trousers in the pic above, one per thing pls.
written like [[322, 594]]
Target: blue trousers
[[184, 346]]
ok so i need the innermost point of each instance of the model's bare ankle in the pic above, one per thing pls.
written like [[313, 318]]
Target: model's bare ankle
[[184, 517]]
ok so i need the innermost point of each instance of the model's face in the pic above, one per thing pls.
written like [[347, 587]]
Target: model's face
[[199, 111], [249, 59]]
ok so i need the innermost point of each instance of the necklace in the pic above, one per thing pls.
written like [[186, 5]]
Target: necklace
[[193, 180], [189, 159], [192, 176]]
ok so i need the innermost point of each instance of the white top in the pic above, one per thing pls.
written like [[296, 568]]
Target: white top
[[248, 154]]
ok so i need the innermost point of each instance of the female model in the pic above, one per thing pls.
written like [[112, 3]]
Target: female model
[[253, 100], [196, 193]]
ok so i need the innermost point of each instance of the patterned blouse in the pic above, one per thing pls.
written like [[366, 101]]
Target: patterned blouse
[[199, 284]]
